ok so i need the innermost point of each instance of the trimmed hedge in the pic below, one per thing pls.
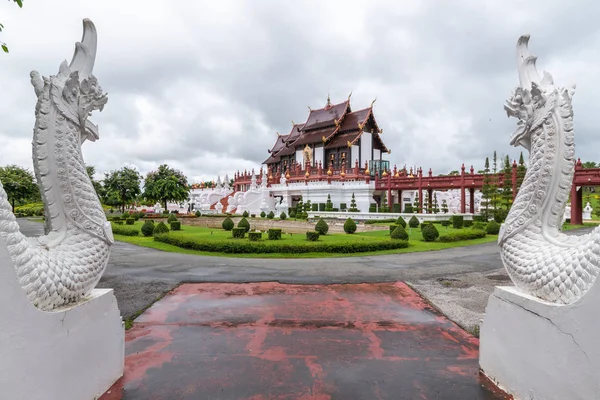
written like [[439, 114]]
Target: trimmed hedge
[[118, 222], [413, 222], [227, 224], [322, 227], [282, 216], [457, 221], [375, 221], [312, 236], [245, 214], [175, 225], [492, 227], [244, 224], [263, 214], [393, 228], [160, 228], [271, 215], [430, 233], [463, 235], [245, 247], [467, 223], [350, 226], [399, 233], [198, 213], [238, 232], [254, 236], [130, 221], [125, 231], [401, 221], [274, 234], [148, 228], [172, 218], [479, 225], [445, 223]]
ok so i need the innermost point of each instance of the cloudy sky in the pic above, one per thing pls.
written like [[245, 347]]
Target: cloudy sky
[[204, 86]]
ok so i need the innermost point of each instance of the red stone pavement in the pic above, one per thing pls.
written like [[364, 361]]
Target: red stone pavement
[[260, 341]]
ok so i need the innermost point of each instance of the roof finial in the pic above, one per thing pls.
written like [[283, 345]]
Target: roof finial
[[293, 123], [373, 102], [309, 109], [278, 134], [328, 99], [350, 95]]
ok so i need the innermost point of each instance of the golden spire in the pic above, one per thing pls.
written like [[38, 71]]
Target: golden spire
[[309, 109], [373, 102], [293, 123], [350, 95]]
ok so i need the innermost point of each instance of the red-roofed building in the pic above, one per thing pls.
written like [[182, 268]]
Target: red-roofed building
[[333, 136]]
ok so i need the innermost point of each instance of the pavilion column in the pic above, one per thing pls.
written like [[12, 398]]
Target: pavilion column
[[576, 205], [430, 199], [463, 208], [420, 175], [400, 199], [389, 192], [472, 200]]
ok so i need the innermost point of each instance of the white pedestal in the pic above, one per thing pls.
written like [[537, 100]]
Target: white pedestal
[[537, 350], [75, 353]]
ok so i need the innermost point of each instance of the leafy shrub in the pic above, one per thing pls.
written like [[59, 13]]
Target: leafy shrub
[[457, 221], [125, 216], [263, 214], [467, 223], [175, 225], [396, 208], [315, 207], [423, 224], [271, 215], [322, 206], [282, 216], [130, 221], [244, 224], [148, 228], [445, 223], [165, 212], [343, 206], [262, 247], [375, 221], [492, 228], [479, 218], [401, 221], [274, 234], [160, 228], [292, 214], [118, 222], [463, 235], [479, 225], [350, 226], [238, 232], [227, 224], [408, 209], [393, 228], [312, 236], [198, 213], [125, 230], [322, 227], [245, 214], [302, 215], [430, 233], [254, 236], [413, 222], [399, 233], [372, 207], [172, 218]]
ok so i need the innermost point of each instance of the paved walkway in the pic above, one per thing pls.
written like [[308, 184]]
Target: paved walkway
[[262, 341]]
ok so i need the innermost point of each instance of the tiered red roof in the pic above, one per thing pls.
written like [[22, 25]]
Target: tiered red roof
[[334, 125]]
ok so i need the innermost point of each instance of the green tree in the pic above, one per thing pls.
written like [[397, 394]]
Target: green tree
[[436, 205], [19, 184], [507, 184], [521, 170], [91, 171], [427, 202], [166, 184], [2, 44], [494, 200], [589, 164], [416, 206], [384, 203], [486, 189], [121, 187], [444, 206]]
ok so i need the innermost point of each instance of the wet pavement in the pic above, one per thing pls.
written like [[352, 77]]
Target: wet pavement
[[259, 341]]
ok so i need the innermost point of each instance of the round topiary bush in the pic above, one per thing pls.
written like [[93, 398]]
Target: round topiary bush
[[492, 228], [245, 214], [282, 216], [160, 228], [349, 226], [292, 214], [430, 233], [413, 222], [271, 215], [400, 221], [445, 223], [198, 213], [227, 224], [263, 214], [399, 233], [244, 224], [148, 228], [172, 218], [312, 236], [322, 227], [479, 225]]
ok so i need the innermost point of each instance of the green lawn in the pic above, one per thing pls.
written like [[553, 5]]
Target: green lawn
[[416, 244]]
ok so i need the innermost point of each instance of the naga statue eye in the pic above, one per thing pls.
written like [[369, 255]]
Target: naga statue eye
[[518, 98]]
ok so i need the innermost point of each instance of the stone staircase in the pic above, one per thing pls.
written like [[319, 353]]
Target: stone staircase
[[224, 202]]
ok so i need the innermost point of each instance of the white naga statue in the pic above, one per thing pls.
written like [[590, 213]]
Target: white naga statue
[[541, 260], [63, 266]]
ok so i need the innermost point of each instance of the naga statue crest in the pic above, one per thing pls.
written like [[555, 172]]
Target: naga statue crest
[[540, 259], [64, 265]]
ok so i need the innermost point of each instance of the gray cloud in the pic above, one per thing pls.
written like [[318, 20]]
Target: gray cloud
[[204, 86]]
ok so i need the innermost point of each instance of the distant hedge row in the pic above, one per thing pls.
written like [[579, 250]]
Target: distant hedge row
[[241, 247]]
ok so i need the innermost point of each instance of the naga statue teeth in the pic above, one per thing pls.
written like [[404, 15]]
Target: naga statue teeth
[[540, 259], [64, 266]]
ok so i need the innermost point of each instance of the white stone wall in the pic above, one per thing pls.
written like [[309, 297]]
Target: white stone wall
[[355, 156], [376, 154], [318, 155], [300, 158], [366, 145]]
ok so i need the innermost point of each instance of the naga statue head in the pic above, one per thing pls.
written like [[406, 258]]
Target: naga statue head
[[535, 97], [75, 91]]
